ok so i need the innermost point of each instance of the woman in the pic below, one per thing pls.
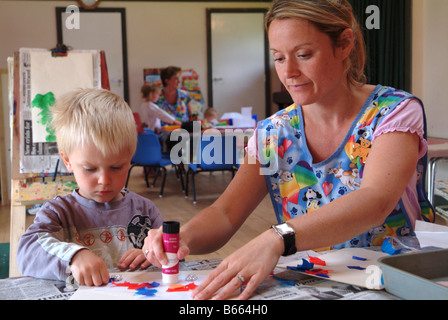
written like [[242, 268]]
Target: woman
[[174, 100], [338, 164]]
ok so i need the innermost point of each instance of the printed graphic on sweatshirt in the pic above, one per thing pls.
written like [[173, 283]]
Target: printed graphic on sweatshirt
[[138, 228]]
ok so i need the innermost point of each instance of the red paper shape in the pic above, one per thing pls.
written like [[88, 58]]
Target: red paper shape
[[188, 287], [132, 286], [317, 261]]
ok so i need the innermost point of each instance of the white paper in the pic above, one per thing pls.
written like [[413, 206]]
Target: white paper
[[432, 239], [40, 157], [431, 234], [337, 262], [430, 227], [112, 292], [231, 115], [246, 112], [57, 75], [239, 120]]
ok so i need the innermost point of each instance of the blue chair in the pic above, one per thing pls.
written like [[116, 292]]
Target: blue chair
[[149, 155], [213, 153]]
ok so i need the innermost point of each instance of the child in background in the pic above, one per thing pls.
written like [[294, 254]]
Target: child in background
[[99, 225], [150, 113], [210, 118]]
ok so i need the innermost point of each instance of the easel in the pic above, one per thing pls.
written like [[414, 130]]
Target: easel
[[26, 190]]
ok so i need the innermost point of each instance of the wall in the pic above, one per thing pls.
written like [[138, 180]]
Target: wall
[[158, 34], [162, 33], [430, 63]]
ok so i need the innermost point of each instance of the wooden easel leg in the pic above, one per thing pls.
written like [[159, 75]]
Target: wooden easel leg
[[18, 225]]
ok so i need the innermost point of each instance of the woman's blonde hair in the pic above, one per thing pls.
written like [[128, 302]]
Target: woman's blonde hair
[[331, 17], [95, 116]]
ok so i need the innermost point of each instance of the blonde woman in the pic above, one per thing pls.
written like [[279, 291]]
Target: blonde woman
[[305, 155]]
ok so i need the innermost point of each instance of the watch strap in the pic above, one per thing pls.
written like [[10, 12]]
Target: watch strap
[[289, 240], [290, 244]]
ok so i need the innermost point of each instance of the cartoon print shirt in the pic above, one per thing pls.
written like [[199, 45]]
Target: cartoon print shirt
[[298, 186], [180, 109], [67, 224]]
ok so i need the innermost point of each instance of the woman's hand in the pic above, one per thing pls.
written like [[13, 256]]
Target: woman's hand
[[250, 264], [153, 248]]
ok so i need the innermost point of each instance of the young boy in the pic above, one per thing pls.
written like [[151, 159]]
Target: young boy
[[210, 118], [150, 113], [99, 225]]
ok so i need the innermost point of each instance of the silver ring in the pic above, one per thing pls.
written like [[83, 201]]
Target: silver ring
[[146, 252], [241, 278]]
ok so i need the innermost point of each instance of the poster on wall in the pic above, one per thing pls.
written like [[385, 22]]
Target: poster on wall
[[44, 78]]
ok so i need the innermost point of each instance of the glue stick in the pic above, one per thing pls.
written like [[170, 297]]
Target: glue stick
[[170, 272]]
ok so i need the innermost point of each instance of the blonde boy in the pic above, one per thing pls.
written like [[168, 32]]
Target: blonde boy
[[99, 225]]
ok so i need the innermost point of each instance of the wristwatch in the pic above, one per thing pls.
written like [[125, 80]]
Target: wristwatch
[[289, 237]]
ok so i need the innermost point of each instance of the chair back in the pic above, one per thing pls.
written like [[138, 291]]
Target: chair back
[[149, 150], [216, 152], [138, 122]]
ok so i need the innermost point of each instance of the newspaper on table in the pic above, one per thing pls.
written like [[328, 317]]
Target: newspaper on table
[[28, 288]]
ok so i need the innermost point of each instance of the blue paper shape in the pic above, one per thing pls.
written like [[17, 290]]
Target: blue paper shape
[[147, 292], [359, 258], [323, 275], [288, 282], [389, 248], [356, 267], [154, 284], [306, 265]]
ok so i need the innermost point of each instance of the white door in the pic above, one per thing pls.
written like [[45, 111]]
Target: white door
[[238, 51], [102, 30]]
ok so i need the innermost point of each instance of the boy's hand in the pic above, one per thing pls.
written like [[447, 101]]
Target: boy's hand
[[132, 259], [89, 269]]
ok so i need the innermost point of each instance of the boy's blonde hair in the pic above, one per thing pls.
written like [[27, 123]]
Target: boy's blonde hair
[[95, 116], [331, 17], [148, 88]]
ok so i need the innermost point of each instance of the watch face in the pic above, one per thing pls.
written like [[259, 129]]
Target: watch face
[[284, 228]]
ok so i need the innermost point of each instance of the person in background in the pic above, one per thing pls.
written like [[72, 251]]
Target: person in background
[[173, 100], [151, 114], [210, 118], [99, 225]]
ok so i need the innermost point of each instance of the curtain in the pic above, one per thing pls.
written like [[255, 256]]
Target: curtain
[[389, 47]]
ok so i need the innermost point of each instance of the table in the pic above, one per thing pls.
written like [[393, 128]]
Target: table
[[437, 151], [28, 194], [304, 287]]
